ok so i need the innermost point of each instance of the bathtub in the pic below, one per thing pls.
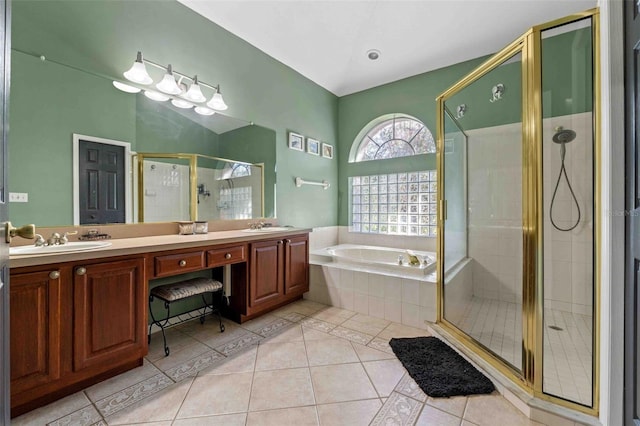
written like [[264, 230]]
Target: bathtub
[[382, 258]]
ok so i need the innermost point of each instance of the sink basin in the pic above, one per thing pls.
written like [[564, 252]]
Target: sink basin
[[269, 229], [64, 248]]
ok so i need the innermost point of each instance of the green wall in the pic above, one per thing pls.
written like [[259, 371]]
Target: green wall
[[91, 107], [414, 96], [103, 37]]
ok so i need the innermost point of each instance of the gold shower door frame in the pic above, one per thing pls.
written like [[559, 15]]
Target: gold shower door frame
[[530, 379], [138, 164]]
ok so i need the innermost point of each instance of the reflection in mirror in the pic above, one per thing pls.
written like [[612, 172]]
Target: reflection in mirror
[[177, 187], [51, 101]]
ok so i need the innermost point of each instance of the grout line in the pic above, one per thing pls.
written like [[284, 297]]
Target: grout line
[[184, 398]]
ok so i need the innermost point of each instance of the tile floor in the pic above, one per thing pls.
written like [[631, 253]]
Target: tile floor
[[567, 352], [305, 364]]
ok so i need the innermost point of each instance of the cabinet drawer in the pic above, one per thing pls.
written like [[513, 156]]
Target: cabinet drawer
[[226, 256], [178, 263]]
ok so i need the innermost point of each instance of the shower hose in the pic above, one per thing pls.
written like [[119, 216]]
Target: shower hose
[[563, 171]]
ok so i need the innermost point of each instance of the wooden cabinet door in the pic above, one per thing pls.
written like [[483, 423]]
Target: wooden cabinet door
[[266, 279], [296, 275], [35, 329], [109, 322]]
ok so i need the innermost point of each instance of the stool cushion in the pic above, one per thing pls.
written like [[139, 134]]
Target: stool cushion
[[186, 288]]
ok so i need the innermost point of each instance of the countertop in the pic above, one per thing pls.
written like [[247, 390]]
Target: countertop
[[150, 244]]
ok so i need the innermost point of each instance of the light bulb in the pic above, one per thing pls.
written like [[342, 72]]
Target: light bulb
[[125, 87], [194, 93], [168, 84], [181, 104], [155, 96], [138, 72], [217, 102], [204, 111]]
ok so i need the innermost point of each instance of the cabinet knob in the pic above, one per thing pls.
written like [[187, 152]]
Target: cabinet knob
[[81, 271], [183, 263], [54, 275], [227, 256], [279, 243], [288, 241]]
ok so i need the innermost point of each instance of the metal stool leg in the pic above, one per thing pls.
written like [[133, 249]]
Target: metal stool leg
[[162, 324]]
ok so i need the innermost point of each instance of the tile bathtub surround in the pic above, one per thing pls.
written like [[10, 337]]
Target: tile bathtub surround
[[391, 298], [311, 372]]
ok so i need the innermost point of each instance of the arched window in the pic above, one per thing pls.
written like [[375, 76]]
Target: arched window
[[396, 202], [392, 136]]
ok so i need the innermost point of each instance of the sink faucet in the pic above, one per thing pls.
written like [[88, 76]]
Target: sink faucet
[[56, 239], [256, 225]]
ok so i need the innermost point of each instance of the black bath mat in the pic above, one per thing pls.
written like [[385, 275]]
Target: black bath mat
[[438, 369]]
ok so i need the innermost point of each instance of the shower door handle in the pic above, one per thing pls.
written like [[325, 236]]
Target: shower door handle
[[443, 210]]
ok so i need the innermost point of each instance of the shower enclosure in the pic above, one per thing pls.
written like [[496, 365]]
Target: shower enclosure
[[517, 144], [178, 187]]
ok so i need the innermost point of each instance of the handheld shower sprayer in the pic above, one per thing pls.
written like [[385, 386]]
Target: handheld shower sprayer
[[563, 137]]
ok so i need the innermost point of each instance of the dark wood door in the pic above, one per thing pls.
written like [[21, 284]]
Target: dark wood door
[[101, 183], [5, 55], [35, 329], [109, 322], [296, 265], [632, 206], [266, 278]]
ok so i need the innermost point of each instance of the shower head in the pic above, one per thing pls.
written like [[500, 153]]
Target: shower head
[[564, 135]]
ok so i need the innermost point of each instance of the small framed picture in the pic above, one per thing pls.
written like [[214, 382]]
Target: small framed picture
[[327, 150], [313, 146], [296, 141]]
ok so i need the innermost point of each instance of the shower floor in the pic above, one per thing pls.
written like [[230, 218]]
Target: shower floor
[[567, 346]]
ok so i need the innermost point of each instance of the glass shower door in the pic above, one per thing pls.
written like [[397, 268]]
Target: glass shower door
[[483, 188]]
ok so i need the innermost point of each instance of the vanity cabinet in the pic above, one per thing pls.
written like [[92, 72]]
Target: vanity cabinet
[[109, 314], [266, 275], [296, 277], [279, 272], [74, 324], [35, 299]]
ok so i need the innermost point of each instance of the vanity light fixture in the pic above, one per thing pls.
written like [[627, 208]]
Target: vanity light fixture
[[169, 88], [126, 87], [204, 110], [216, 101], [181, 103], [168, 84], [156, 96], [194, 93], [138, 72]]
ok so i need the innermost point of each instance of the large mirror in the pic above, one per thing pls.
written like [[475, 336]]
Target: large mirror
[[55, 102]]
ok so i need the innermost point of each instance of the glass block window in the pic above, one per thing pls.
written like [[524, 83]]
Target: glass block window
[[235, 203], [393, 137], [394, 203]]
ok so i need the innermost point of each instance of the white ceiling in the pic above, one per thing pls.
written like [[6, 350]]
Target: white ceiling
[[327, 41]]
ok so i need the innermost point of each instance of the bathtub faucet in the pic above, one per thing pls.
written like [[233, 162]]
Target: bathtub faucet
[[413, 258]]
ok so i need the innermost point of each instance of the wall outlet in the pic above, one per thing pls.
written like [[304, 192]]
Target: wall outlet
[[18, 197]]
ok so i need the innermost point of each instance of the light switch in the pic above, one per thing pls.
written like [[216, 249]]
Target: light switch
[[18, 197]]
